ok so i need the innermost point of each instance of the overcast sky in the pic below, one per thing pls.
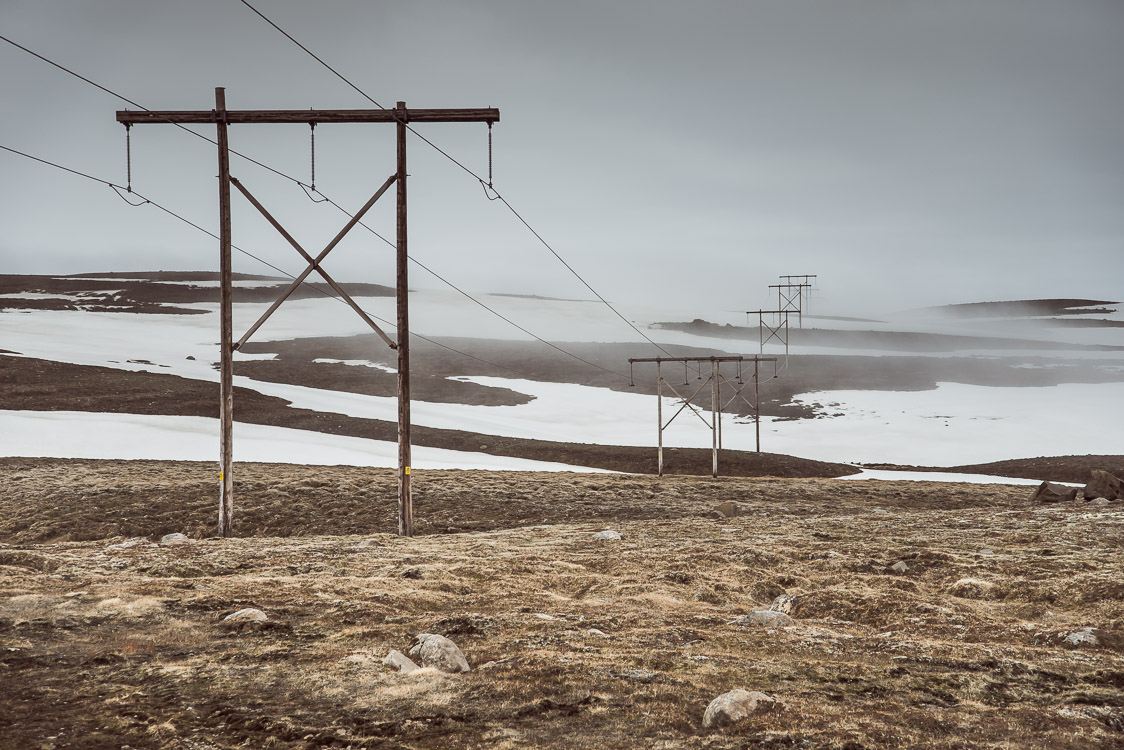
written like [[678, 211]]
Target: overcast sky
[[909, 153]]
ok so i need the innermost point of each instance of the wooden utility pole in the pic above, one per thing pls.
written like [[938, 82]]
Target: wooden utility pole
[[715, 380], [405, 499], [226, 305], [221, 117]]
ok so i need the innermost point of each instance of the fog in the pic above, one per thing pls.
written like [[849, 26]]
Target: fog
[[908, 154]]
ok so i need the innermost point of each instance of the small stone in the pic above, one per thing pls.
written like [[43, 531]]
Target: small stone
[[728, 510], [401, 662], [1082, 637], [246, 617], [367, 543], [598, 633], [736, 705], [643, 676], [784, 603], [608, 535], [881, 511], [177, 538], [766, 617], [899, 567], [439, 652], [413, 574], [128, 543], [985, 553]]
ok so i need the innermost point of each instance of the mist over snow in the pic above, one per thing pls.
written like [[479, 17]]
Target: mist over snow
[[951, 424]]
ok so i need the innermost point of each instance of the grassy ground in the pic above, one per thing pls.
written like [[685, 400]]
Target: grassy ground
[[573, 642]]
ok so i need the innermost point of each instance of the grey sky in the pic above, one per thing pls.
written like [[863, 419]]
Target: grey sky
[[907, 152]]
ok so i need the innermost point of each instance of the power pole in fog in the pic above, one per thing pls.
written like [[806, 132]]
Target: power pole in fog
[[221, 117], [715, 379]]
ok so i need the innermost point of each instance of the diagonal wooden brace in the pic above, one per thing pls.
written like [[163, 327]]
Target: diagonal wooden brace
[[686, 403], [314, 263]]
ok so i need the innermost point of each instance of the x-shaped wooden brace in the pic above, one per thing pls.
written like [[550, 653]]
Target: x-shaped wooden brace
[[314, 263], [774, 331], [686, 403], [738, 388]]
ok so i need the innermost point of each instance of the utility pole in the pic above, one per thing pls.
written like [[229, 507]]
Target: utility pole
[[787, 299], [777, 330], [221, 117], [715, 380], [226, 307], [405, 498]]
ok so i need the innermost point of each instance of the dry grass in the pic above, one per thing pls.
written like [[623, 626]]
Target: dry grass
[[108, 647]]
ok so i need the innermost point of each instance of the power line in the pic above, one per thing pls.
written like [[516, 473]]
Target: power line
[[487, 185], [145, 200], [303, 186], [493, 311]]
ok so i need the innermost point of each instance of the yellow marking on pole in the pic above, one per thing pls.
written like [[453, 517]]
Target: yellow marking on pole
[[407, 470], [220, 476]]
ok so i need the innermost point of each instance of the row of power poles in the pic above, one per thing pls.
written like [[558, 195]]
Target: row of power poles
[[791, 296]]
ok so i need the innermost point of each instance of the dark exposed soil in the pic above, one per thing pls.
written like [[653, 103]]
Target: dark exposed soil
[[1074, 469], [1020, 308], [43, 385], [142, 292], [897, 341]]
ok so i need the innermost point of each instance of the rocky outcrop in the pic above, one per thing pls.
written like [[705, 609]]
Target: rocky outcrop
[[1048, 492]]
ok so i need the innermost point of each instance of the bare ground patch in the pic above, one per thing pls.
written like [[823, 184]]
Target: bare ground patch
[[573, 642]]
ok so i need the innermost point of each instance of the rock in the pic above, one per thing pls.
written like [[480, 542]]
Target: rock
[[608, 535], [246, 618], [401, 662], [643, 676], [736, 705], [1100, 502], [367, 543], [766, 617], [177, 538], [1048, 492], [414, 574], [899, 567], [972, 588], [1103, 484], [1082, 637], [598, 633], [881, 511], [784, 603], [985, 552], [439, 652], [128, 543], [728, 510]]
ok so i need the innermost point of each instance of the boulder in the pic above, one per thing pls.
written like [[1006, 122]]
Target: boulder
[[401, 662], [246, 619], [1048, 492], [177, 538], [439, 652], [1083, 637], [900, 567], [736, 705], [608, 535], [1103, 484]]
